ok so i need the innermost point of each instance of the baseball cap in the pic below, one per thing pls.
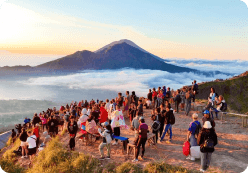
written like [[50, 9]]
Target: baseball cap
[[206, 112], [105, 124]]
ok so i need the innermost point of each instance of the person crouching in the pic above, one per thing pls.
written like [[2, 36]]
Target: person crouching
[[106, 133]]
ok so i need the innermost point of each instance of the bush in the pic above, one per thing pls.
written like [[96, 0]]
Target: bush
[[9, 154], [9, 142], [163, 167], [10, 167], [128, 167]]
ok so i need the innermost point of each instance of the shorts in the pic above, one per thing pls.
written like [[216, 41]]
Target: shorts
[[23, 144], [31, 151]]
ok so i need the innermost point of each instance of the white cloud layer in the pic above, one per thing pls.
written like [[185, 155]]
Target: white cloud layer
[[122, 80]]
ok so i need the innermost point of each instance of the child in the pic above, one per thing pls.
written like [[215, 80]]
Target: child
[[107, 138]]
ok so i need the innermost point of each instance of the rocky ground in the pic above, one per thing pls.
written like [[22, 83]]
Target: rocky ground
[[231, 153]]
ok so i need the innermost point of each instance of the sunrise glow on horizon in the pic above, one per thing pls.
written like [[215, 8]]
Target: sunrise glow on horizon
[[168, 29]]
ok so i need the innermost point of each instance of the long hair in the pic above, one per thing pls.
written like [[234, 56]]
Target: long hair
[[108, 127]]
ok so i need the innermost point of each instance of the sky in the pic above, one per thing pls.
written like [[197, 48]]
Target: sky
[[214, 30]]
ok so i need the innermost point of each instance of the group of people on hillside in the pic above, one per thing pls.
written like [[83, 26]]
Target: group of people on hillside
[[108, 118]]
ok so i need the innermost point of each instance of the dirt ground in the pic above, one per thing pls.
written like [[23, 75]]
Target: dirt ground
[[231, 153]]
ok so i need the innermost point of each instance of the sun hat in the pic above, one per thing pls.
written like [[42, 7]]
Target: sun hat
[[105, 124], [84, 111], [195, 115], [206, 112], [207, 125]]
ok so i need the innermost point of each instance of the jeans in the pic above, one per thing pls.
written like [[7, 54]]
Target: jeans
[[101, 146], [156, 136], [192, 140], [216, 113], [188, 107], [167, 127], [205, 160], [141, 142]]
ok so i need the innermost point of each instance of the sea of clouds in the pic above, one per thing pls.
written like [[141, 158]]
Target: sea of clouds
[[121, 80], [235, 67]]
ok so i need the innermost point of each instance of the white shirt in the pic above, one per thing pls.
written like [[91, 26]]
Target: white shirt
[[107, 106], [32, 141]]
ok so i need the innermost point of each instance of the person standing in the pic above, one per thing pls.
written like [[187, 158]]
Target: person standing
[[143, 130], [140, 108], [36, 132], [31, 141], [135, 125], [107, 138], [188, 96], [72, 129], [168, 117], [23, 137], [183, 97], [35, 120], [115, 123], [193, 132], [177, 100], [207, 139], [195, 90], [149, 95]]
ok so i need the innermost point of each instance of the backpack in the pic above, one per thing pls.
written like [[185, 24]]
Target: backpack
[[156, 125], [208, 143], [19, 151], [197, 130], [223, 107], [172, 119], [186, 148]]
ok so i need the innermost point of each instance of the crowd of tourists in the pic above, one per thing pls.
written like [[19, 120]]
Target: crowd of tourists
[[107, 118]]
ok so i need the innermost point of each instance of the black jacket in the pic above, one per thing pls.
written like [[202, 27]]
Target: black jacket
[[23, 136], [36, 120], [72, 129], [205, 134]]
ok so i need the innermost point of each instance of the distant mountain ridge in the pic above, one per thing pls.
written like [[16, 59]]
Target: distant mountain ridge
[[116, 55], [121, 55]]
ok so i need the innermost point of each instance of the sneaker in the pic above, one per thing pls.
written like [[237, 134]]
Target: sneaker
[[101, 158], [26, 156], [192, 159], [135, 160], [23, 157], [201, 170], [168, 142], [188, 158], [108, 157], [115, 143], [140, 158]]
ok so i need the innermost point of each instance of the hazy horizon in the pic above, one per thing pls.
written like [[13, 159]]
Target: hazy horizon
[[185, 29]]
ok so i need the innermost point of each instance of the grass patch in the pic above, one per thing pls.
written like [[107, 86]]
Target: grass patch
[[10, 167], [9, 154], [164, 167], [9, 142], [64, 131], [128, 167]]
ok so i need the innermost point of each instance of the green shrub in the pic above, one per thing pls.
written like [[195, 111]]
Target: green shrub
[[159, 167], [128, 167], [10, 167], [9, 154], [9, 142]]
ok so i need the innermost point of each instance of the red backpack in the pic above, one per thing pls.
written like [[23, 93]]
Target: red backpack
[[186, 148]]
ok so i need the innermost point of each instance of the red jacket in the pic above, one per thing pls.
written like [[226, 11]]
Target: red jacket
[[103, 115], [154, 94]]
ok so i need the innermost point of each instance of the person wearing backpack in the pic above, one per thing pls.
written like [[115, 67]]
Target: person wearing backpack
[[169, 121], [155, 125], [207, 139], [106, 133], [193, 131]]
